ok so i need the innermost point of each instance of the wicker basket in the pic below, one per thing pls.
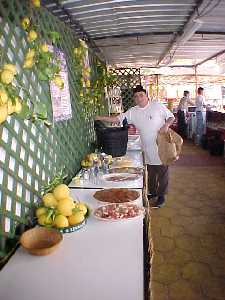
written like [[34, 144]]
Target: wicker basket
[[40, 240]]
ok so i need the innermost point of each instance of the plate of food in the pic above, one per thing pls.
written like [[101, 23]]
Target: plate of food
[[130, 170], [123, 162], [120, 177], [119, 212], [116, 195]]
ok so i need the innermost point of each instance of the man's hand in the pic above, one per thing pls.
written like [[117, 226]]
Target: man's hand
[[164, 129], [107, 119], [98, 118]]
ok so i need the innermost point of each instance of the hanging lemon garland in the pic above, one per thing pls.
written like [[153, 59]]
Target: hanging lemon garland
[[39, 55], [10, 101]]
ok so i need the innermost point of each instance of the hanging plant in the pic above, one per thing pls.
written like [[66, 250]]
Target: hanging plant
[[12, 103], [41, 56]]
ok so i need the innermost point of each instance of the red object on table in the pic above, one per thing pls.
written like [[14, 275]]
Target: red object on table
[[132, 129]]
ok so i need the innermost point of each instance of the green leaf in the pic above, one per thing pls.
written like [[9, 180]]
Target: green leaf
[[47, 123], [25, 112], [49, 72], [42, 76], [40, 108], [54, 36]]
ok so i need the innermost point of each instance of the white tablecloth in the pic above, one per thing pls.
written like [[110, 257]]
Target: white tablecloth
[[137, 161], [102, 261]]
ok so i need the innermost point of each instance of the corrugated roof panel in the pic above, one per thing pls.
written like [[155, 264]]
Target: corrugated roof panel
[[146, 27]]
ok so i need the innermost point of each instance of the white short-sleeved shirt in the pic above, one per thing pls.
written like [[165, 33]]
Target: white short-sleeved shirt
[[148, 121], [183, 105], [199, 102]]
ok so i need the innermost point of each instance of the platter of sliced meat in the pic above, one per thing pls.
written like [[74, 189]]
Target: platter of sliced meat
[[117, 212]]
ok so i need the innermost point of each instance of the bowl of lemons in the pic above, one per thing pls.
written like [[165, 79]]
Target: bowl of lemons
[[59, 210]]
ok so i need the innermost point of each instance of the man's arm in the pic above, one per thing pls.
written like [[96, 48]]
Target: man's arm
[[167, 125], [107, 119], [191, 102]]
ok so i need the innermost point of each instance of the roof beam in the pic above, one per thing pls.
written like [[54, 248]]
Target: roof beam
[[189, 29], [210, 57], [76, 26], [132, 35]]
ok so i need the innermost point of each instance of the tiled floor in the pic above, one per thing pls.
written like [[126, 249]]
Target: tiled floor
[[188, 233]]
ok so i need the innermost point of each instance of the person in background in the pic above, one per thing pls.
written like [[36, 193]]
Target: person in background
[[200, 108], [149, 118], [181, 114]]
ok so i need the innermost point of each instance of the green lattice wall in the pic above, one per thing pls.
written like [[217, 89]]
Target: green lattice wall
[[127, 78], [30, 154]]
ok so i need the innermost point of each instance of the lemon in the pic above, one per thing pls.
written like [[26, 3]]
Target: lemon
[[61, 221], [36, 3], [28, 63], [3, 113], [58, 81], [11, 107], [18, 106], [87, 82], [65, 207], [32, 36], [44, 48], [7, 76], [10, 67], [3, 97], [76, 218], [49, 200], [61, 192], [44, 220], [73, 201], [82, 207], [40, 211], [30, 54], [25, 22]]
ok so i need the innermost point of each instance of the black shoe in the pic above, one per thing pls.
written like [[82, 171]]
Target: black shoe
[[151, 197], [161, 200]]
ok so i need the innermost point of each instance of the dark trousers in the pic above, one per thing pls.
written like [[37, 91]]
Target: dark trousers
[[158, 177], [182, 126]]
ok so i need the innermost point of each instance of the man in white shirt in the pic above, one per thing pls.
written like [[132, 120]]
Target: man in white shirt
[[181, 114], [200, 108], [149, 118]]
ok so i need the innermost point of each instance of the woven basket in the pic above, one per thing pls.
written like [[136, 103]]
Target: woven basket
[[41, 240]]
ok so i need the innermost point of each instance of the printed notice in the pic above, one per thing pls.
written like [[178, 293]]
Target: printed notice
[[61, 104]]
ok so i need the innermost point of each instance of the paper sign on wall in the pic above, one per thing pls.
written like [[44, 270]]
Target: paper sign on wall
[[61, 104]]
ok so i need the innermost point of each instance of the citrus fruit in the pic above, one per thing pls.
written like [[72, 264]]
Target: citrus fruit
[[40, 211], [28, 63], [10, 67], [7, 76], [65, 207], [3, 113], [25, 22], [3, 97], [61, 192], [76, 218], [44, 220], [44, 48], [82, 207], [49, 200], [32, 36], [61, 221]]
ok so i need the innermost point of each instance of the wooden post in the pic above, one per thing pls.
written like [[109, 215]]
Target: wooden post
[[157, 85], [196, 81]]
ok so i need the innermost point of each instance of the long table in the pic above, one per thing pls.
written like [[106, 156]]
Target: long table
[[103, 260]]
